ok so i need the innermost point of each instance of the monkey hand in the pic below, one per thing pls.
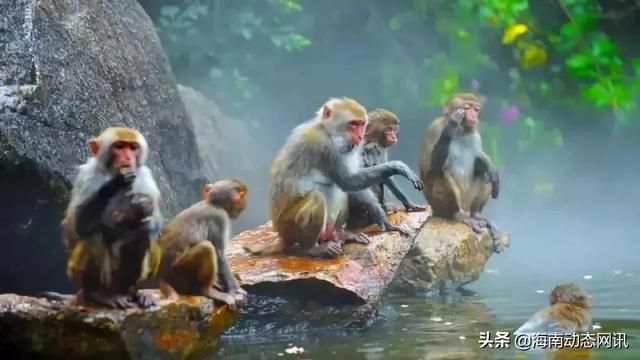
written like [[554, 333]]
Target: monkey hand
[[143, 203], [402, 169], [240, 296], [494, 179], [456, 117]]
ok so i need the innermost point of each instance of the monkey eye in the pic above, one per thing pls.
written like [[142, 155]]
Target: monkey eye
[[124, 144], [356, 122]]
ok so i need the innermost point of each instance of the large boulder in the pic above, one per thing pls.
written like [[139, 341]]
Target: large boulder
[[228, 150], [68, 70], [188, 327], [446, 256]]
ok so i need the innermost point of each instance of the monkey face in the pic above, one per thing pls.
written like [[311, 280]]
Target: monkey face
[[355, 129], [390, 136], [124, 154], [472, 115]]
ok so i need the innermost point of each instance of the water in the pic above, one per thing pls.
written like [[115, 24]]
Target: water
[[419, 328]]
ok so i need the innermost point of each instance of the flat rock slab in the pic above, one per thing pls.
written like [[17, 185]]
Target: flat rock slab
[[446, 256], [37, 328], [359, 276]]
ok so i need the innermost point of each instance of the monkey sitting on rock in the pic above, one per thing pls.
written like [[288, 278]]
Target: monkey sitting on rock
[[193, 246], [112, 222], [458, 175], [314, 176], [380, 135]]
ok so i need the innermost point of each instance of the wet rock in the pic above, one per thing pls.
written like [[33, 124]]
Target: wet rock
[[36, 328], [446, 256], [69, 69], [359, 276]]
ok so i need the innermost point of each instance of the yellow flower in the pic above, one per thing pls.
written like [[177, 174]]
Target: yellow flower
[[512, 32], [532, 55]]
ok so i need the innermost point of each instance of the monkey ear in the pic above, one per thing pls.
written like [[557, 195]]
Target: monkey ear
[[326, 112], [94, 146], [206, 190]]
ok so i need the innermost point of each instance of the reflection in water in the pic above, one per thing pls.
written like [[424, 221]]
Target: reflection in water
[[419, 328]]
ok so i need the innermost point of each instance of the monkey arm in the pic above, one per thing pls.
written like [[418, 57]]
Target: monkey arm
[[363, 178], [219, 233], [395, 190], [440, 151], [89, 214], [482, 165], [440, 154]]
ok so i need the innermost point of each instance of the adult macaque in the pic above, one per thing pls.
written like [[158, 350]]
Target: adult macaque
[[458, 175], [112, 221], [193, 246], [315, 173], [382, 134], [568, 312]]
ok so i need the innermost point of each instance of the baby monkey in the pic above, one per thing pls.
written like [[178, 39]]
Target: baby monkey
[[567, 313], [381, 134], [193, 246]]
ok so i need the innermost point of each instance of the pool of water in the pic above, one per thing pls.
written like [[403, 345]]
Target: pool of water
[[422, 328]]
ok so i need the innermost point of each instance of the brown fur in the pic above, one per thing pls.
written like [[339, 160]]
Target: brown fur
[[447, 195], [193, 244], [569, 306]]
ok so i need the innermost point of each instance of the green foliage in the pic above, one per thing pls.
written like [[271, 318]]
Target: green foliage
[[204, 36], [516, 53]]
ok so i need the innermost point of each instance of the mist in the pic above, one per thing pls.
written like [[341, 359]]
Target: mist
[[585, 222]]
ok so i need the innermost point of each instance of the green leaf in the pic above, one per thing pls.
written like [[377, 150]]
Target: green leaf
[[395, 23], [578, 62], [636, 66], [170, 11], [529, 122], [602, 46], [299, 42], [569, 30], [556, 137], [598, 94]]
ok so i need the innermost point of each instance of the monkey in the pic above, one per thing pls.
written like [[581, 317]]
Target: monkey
[[193, 245], [112, 221], [568, 312], [315, 173], [381, 134], [458, 175]]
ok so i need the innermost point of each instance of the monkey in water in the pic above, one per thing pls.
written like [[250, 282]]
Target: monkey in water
[[314, 175], [193, 246], [458, 175], [112, 222], [568, 312]]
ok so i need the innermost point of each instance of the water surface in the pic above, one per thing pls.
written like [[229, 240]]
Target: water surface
[[421, 328]]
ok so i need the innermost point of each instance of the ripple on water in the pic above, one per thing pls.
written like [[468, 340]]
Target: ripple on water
[[450, 328]]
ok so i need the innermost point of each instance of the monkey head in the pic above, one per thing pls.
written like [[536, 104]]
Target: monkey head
[[231, 195], [383, 127], [119, 148], [570, 294], [345, 120], [471, 105]]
